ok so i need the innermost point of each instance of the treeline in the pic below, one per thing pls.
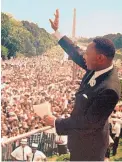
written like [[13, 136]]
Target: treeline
[[116, 38], [26, 38], [23, 38]]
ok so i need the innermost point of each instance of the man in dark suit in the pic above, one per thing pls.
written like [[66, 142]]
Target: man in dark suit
[[87, 127]]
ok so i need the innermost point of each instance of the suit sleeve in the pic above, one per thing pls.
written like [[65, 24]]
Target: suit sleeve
[[94, 117], [73, 51]]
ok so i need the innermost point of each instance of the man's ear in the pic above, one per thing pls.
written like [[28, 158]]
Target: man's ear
[[101, 58]]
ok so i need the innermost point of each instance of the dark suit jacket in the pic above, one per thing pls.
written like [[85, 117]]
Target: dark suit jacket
[[87, 128]]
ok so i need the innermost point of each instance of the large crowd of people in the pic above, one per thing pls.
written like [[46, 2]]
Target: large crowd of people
[[32, 81]]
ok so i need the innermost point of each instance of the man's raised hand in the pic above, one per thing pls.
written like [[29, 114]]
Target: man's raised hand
[[55, 23]]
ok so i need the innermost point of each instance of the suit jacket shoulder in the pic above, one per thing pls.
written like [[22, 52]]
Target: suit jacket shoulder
[[111, 81]]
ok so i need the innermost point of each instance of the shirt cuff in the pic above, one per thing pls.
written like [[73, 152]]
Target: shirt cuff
[[58, 35]]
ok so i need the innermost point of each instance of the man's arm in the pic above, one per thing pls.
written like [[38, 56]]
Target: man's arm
[[73, 51], [69, 47], [94, 117]]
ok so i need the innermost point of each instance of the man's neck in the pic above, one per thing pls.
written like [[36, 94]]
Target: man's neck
[[103, 67]]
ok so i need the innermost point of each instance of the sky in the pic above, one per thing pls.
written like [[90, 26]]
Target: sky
[[93, 17]]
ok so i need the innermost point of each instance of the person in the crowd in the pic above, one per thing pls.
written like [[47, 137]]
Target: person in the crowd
[[36, 154], [99, 92], [61, 142], [107, 155], [23, 152], [116, 128]]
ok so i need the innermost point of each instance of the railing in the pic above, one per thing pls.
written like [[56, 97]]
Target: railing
[[45, 140]]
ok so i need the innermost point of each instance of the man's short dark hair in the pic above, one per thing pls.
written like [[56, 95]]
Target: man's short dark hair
[[105, 46]]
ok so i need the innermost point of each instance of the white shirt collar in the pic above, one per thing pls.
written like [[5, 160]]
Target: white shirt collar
[[92, 81], [100, 72]]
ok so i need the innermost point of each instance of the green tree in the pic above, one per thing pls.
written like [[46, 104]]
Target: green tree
[[4, 52], [24, 37], [13, 47], [116, 38], [5, 29], [42, 40], [30, 50], [118, 42], [7, 39]]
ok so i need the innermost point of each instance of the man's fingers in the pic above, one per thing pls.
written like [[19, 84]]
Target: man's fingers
[[55, 23], [57, 13], [51, 21], [56, 18]]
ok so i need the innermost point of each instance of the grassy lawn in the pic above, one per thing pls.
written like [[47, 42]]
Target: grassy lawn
[[53, 158], [118, 157]]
